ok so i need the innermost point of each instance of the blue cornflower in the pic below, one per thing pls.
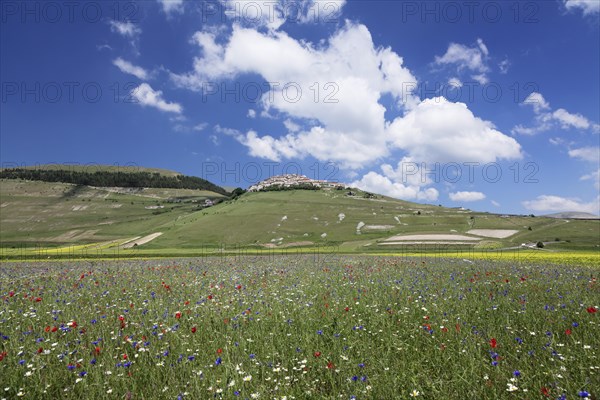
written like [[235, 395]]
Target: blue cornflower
[[94, 321], [252, 356], [93, 361], [191, 358], [70, 367], [354, 378], [495, 363], [218, 361], [237, 393], [363, 378], [21, 362], [361, 365], [517, 373], [575, 324], [319, 332], [82, 374], [519, 340], [583, 394]]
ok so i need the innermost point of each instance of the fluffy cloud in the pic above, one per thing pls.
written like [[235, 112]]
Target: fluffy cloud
[[127, 29], [171, 6], [466, 196], [470, 58], [548, 203], [537, 101], [547, 119], [568, 120], [374, 182], [347, 123], [455, 82], [146, 96], [129, 68], [441, 131], [588, 7], [591, 154]]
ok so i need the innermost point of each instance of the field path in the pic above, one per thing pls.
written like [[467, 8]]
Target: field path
[[142, 241]]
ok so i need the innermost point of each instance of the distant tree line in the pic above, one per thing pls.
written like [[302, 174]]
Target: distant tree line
[[117, 179]]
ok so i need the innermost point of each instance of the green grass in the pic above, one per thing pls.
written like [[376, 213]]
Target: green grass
[[45, 215], [298, 326], [56, 214]]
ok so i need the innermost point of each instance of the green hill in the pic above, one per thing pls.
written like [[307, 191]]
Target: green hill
[[158, 221], [305, 218]]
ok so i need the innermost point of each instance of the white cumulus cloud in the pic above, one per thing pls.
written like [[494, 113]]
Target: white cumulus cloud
[[171, 6], [588, 7], [547, 119], [438, 130], [146, 96], [127, 29], [129, 68], [466, 196], [471, 58], [346, 123], [377, 183], [591, 154], [549, 203]]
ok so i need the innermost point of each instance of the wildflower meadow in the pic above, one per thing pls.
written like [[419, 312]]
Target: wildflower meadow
[[352, 327]]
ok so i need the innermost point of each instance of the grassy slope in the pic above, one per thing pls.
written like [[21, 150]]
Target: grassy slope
[[257, 218], [44, 213]]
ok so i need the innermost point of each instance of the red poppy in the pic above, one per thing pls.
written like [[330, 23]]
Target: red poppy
[[493, 343], [568, 332], [11, 293], [124, 356], [317, 354], [54, 329], [210, 296], [40, 350], [346, 309], [545, 391], [219, 351], [330, 365], [2, 355], [38, 299], [238, 287], [193, 329], [178, 315], [47, 329], [591, 310], [97, 350], [121, 318]]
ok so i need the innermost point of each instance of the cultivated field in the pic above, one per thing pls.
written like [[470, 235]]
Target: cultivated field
[[303, 326]]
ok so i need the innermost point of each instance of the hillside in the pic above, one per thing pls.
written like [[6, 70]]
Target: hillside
[[35, 214], [364, 223]]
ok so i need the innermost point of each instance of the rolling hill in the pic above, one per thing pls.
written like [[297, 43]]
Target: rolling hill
[[55, 216]]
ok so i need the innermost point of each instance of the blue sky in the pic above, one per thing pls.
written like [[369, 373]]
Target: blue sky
[[493, 106]]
